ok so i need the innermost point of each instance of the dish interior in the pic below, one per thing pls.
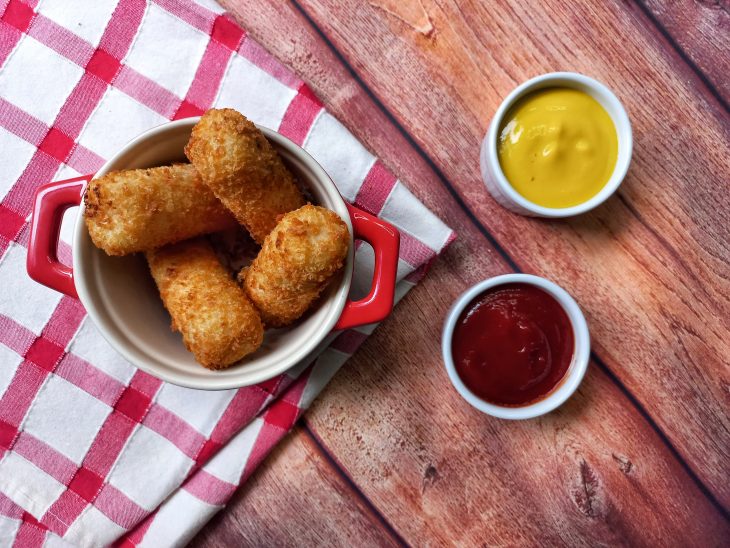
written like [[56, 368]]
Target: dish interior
[[122, 298]]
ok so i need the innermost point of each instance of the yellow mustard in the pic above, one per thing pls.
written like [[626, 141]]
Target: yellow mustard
[[557, 147]]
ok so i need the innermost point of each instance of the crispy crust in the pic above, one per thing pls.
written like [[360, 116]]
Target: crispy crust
[[218, 322], [297, 261], [141, 209], [243, 170]]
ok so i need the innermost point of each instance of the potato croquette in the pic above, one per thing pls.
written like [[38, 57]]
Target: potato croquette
[[243, 170], [218, 322], [141, 209], [298, 258]]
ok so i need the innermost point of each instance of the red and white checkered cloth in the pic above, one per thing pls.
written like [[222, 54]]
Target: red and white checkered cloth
[[92, 450]]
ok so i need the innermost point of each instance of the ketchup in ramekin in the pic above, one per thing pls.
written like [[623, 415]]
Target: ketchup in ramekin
[[513, 344]]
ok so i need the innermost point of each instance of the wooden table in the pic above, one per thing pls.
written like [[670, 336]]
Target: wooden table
[[390, 454]]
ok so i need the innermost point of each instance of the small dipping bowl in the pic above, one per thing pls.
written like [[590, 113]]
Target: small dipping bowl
[[494, 177], [565, 387]]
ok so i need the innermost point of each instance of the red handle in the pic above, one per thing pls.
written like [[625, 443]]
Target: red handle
[[51, 201], [385, 240]]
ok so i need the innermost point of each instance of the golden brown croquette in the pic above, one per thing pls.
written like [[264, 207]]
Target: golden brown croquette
[[218, 322], [141, 209], [243, 170], [298, 259]]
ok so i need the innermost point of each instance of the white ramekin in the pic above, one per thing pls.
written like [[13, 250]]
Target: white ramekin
[[567, 385], [494, 178]]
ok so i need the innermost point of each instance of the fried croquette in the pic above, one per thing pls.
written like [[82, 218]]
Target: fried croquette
[[243, 170], [141, 209], [298, 258], [218, 322]]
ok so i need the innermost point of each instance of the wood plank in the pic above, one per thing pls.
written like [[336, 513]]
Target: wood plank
[[650, 266], [425, 459], [591, 473], [702, 31], [294, 499]]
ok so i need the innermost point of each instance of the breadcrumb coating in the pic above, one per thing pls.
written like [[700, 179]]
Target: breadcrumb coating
[[141, 209], [243, 170], [296, 262], [218, 322]]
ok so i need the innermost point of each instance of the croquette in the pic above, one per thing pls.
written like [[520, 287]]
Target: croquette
[[218, 322], [141, 209], [296, 262], [243, 170]]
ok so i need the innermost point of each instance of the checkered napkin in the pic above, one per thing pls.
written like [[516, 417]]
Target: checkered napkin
[[93, 451]]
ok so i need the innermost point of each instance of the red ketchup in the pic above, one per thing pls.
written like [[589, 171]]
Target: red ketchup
[[513, 344]]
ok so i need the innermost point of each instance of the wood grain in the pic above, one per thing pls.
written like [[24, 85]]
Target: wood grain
[[595, 471], [442, 473], [702, 30], [650, 267], [294, 499]]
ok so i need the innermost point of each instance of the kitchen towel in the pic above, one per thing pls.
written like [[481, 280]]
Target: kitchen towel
[[93, 451]]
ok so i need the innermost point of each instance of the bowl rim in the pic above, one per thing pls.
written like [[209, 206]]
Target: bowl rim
[[613, 107], [135, 356], [566, 387]]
